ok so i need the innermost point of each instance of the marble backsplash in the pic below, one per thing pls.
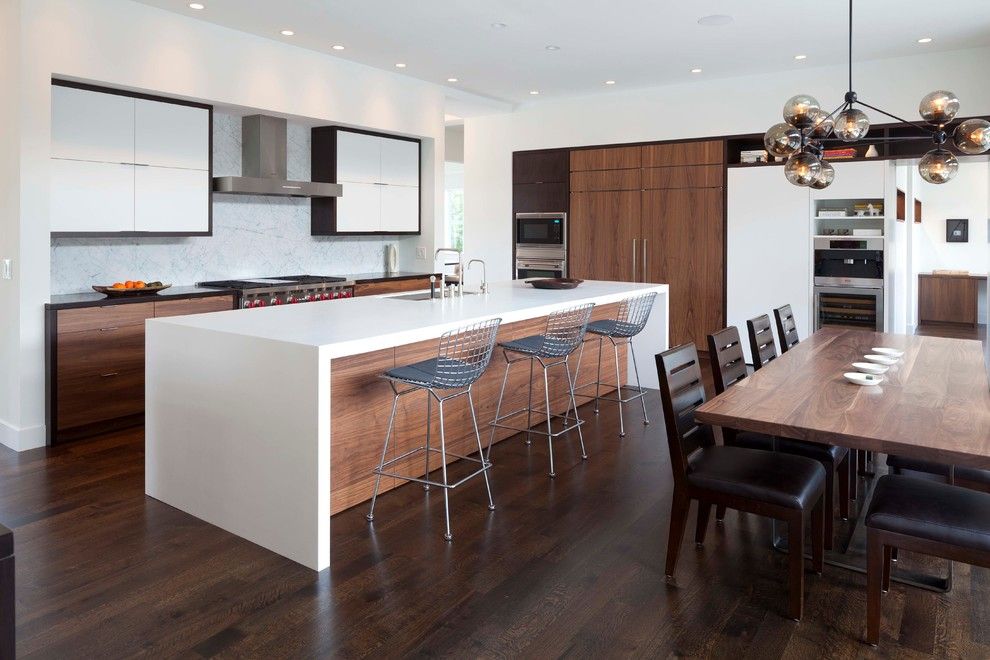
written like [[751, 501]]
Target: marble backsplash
[[252, 236]]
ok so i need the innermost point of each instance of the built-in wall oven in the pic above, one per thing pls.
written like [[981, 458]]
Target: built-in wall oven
[[849, 277], [541, 245]]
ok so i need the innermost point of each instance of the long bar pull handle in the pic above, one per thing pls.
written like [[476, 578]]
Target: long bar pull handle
[[635, 241], [646, 276]]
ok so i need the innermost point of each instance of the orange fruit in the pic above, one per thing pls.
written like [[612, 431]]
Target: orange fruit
[[117, 285], [139, 284], [129, 284]]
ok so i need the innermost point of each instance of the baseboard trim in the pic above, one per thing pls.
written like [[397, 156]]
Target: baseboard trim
[[22, 439]]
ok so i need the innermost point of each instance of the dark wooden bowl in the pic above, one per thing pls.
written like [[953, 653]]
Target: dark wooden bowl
[[554, 283], [110, 292]]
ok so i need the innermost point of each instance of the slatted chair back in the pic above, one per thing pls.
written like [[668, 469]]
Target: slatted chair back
[[681, 392], [726, 355], [761, 341], [786, 328], [465, 353]]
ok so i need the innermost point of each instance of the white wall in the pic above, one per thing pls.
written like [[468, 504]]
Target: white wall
[[129, 45], [704, 108]]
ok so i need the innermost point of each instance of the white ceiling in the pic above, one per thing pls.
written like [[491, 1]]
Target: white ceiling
[[637, 43]]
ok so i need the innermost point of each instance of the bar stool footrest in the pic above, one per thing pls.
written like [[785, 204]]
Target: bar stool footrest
[[569, 423], [638, 392], [430, 482]]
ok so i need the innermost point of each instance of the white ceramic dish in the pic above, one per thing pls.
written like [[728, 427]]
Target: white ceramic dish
[[870, 368], [863, 379], [881, 359], [892, 352]]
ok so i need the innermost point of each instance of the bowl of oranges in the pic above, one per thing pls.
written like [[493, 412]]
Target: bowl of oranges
[[131, 288]]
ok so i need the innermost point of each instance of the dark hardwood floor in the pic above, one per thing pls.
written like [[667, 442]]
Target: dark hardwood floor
[[569, 567]]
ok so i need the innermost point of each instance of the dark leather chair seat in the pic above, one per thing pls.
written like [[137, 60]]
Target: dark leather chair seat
[[931, 510], [789, 481], [962, 473], [821, 453], [539, 345], [425, 373]]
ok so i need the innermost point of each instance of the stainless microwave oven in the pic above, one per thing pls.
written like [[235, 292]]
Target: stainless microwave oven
[[543, 230]]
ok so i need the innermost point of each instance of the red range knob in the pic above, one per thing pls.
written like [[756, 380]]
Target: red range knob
[[276, 301], [259, 303], [325, 296]]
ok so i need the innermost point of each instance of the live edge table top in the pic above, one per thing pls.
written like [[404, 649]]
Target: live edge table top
[[934, 404]]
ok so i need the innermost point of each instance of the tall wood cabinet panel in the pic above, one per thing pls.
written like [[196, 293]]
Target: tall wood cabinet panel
[[684, 234], [604, 235], [607, 180], [540, 166], [687, 176], [705, 152], [608, 158]]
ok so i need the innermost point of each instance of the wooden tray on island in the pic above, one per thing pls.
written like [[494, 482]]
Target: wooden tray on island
[[554, 283], [111, 292]]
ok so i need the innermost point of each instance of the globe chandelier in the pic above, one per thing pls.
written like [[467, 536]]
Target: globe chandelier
[[807, 130]]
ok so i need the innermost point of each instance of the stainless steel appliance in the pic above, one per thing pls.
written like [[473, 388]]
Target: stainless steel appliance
[[849, 276], [541, 245], [287, 290]]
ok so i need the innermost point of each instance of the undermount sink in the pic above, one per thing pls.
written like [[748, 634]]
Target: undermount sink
[[425, 295]]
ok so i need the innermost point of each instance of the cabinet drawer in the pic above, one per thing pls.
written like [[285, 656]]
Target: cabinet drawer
[[89, 399], [109, 316], [611, 158], [100, 352], [708, 152], [193, 306], [391, 286], [687, 176], [606, 180]]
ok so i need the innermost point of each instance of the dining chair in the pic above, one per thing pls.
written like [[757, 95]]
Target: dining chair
[[967, 477], [921, 516], [786, 328], [781, 486], [761, 341], [729, 368]]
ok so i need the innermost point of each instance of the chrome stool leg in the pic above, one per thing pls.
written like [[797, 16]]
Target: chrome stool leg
[[529, 406], [546, 395], [477, 435], [639, 384], [598, 378], [570, 390], [429, 420], [498, 410], [381, 464], [446, 484], [618, 386]]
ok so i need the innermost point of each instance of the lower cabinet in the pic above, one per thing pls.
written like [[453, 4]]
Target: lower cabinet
[[391, 286], [96, 362]]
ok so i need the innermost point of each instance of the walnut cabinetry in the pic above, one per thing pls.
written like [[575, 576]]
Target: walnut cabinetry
[[948, 298], [391, 286], [96, 362]]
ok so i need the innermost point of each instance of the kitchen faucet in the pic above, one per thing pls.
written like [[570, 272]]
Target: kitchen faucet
[[460, 270], [484, 273]]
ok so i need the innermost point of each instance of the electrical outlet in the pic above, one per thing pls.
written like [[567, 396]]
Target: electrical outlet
[[421, 252], [6, 269]]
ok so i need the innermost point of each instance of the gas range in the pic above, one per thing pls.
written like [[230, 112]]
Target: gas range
[[286, 290]]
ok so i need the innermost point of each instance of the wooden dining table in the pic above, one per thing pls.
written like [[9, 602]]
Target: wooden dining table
[[934, 404]]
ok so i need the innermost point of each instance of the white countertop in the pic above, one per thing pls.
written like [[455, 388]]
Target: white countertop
[[360, 325]]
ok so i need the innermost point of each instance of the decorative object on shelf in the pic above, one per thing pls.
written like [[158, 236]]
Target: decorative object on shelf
[[753, 156], [807, 129], [832, 213], [872, 210], [957, 230]]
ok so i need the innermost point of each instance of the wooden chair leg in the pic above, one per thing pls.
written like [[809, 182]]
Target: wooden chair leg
[[829, 507], [818, 515], [888, 551], [679, 509], [719, 513], [795, 551], [704, 513], [844, 488], [874, 579]]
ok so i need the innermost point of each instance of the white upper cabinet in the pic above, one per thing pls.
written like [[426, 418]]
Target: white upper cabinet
[[380, 176], [89, 125], [359, 158], [171, 135], [400, 162], [87, 196], [168, 199], [859, 180]]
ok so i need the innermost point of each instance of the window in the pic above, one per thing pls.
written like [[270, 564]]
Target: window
[[454, 205]]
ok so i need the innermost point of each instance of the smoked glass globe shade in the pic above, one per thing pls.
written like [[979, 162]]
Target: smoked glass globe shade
[[802, 168], [972, 136], [939, 107], [938, 166], [825, 176], [782, 140], [851, 125], [799, 109], [821, 125]]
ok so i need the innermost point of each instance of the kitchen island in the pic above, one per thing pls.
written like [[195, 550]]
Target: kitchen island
[[265, 422]]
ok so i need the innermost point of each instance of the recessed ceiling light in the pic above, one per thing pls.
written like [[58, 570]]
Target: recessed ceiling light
[[715, 19], [609, 82], [695, 70], [925, 40], [534, 92], [400, 65], [800, 57], [552, 47], [498, 26], [451, 79], [337, 47], [197, 5], [287, 33]]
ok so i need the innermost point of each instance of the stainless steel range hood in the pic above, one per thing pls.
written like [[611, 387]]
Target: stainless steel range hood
[[263, 164]]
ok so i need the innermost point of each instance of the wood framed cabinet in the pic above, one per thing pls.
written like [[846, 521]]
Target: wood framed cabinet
[[949, 298], [380, 175], [95, 358], [129, 164]]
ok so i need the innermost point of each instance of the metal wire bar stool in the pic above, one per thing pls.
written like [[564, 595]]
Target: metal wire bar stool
[[564, 333], [462, 357], [633, 314]]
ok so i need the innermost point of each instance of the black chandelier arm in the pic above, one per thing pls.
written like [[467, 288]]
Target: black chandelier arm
[[877, 140], [850, 45], [920, 127]]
